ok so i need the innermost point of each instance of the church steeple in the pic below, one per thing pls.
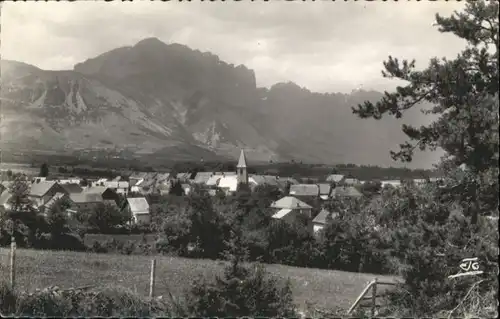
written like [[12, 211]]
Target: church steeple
[[242, 163], [241, 169]]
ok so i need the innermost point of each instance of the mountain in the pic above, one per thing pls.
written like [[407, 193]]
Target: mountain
[[168, 100]]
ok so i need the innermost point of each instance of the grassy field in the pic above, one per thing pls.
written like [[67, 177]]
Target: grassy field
[[39, 269]]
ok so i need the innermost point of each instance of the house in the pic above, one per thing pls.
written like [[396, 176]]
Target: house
[[99, 182], [290, 208], [45, 207], [136, 186], [304, 190], [284, 181], [117, 186], [85, 200], [325, 191], [4, 186], [143, 183], [183, 177], [212, 192], [286, 204], [350, 181], [40, 193], [136, 177], [256, 180], [334, 178], [186, 188], [164, 189], [202, 177], [139, 209], [229, 184], [148, 186], [72, 188], [162, 179], [320, 220], [419, 181], [225, 173], [5, 196], [392, 183], [214, 180], [105, 192], [69, 181], [37, 180], [345, 191]]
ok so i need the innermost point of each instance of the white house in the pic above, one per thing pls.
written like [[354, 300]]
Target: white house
[[40, 193], [320, 220], [229, 184], [289, 208], [118, 187], [139, 209]]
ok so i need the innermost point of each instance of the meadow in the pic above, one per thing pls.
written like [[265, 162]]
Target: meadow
[[326, 289]]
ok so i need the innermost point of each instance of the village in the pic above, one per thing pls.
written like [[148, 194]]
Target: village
[[131, 195]]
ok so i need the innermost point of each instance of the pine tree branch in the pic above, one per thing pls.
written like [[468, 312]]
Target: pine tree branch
[[465, 298]]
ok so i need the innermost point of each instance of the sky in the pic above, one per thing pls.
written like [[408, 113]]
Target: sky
[[324, 46]]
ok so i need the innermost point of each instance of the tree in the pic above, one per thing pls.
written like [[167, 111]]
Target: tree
[[463, 93], [21, 217], [207, 225], [104, 217], [371, 188], [19, 201], [433, 228], [9, 175], [241, 290], [62, 170], [44, 170], [176, 188], [56, 217]]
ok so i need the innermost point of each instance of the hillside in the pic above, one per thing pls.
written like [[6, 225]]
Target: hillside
[[168, 100]]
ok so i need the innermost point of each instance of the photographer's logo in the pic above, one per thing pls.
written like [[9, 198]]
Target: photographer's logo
[[468, 267]]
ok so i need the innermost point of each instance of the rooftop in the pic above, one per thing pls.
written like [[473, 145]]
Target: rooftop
[[138, 204], [289, 202]]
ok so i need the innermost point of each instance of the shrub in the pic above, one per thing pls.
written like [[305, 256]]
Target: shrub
[[107, 302], [241, 291], [97, 247]]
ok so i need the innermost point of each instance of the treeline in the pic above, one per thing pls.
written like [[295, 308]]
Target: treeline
[[299, 171], [112, 167]]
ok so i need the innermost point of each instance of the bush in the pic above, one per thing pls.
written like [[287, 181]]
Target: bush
[[242, 291], [107, 302], [71, 242], [98, 248]]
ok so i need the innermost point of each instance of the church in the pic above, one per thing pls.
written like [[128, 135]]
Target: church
[[230, 183]]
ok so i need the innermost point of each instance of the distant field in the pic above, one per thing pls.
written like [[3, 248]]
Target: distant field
[[38, 269], [19, 168]]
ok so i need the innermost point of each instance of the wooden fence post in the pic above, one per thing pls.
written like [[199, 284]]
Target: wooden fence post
[[12, 263], [374, 297], [152, 278]]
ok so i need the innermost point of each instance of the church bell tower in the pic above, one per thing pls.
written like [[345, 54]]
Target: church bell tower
[[241, 169]]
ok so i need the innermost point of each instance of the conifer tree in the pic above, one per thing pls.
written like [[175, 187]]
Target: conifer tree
[[463, 93], [241, 290]]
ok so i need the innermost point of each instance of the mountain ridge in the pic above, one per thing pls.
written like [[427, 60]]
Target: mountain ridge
[[153, 96]]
